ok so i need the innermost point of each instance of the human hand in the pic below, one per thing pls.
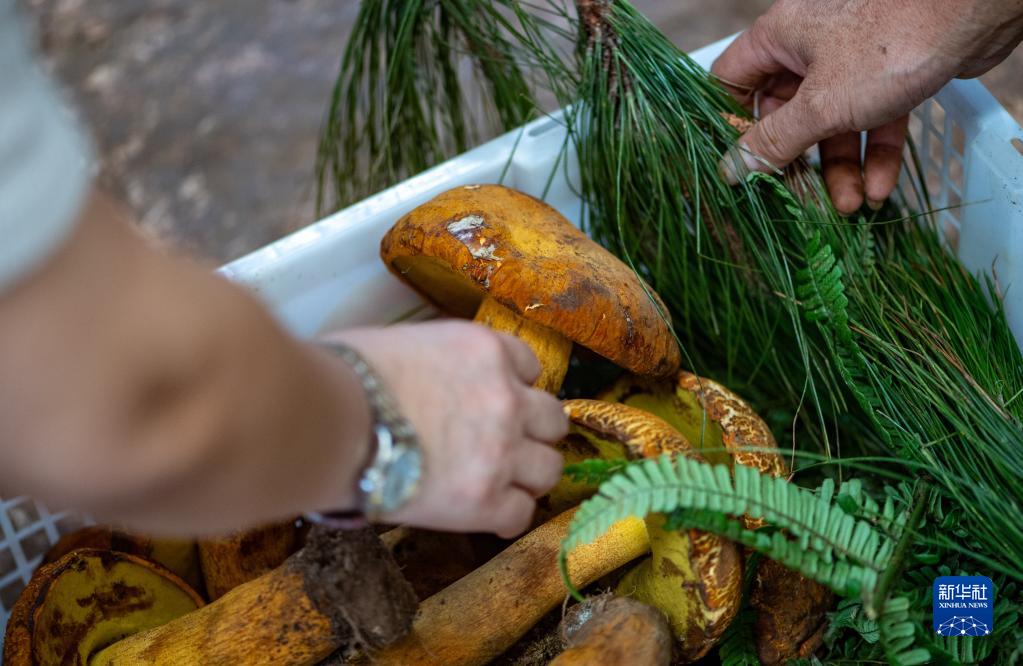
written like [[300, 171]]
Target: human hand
[[822, 71], [483, 429]]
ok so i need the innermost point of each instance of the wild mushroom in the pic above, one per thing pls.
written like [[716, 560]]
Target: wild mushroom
[[87, 600], [693, 577], [342, 589], [791, 612], [481, 615], [614, 630], [722, 426], [178, 555], [238, 558], [790, 608], [515, 264]]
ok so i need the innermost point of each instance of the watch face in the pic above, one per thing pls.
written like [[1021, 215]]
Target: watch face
[[401, 479]]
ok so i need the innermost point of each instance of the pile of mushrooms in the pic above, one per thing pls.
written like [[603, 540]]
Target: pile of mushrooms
[[98, 585], [407, 596]]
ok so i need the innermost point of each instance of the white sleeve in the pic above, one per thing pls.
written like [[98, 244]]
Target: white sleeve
[[44, 158]]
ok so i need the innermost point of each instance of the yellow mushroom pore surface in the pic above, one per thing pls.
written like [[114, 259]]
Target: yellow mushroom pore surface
[[666, 578], [580, 444], [99, 598]]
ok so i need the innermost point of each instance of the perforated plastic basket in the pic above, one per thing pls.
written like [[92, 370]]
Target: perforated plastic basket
[[328, 275]]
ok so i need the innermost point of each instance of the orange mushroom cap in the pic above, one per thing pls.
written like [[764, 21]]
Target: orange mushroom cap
[[488, 240]]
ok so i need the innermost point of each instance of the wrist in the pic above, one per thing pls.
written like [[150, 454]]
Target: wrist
[[349, 445], [978, 34], [391, 468]]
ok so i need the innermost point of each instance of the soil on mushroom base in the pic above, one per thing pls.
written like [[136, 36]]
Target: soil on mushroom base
[[352, 573]]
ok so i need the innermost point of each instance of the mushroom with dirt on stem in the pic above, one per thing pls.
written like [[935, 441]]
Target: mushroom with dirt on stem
[[341, 590], [432, 560], [514, 264]]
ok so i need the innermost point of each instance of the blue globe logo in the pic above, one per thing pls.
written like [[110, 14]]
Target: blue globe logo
[[963, 626]]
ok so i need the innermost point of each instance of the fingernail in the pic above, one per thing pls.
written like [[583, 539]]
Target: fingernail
[[737, 163], [875, 204]]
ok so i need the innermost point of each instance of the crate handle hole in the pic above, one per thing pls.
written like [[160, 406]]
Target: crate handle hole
[[1018, 145]]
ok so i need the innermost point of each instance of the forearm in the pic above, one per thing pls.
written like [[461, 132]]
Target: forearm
[[158, 395]]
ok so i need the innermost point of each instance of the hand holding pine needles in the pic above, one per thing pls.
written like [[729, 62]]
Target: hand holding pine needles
[[822, 72]]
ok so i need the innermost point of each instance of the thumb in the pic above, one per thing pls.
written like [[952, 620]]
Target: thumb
[[777, 139]]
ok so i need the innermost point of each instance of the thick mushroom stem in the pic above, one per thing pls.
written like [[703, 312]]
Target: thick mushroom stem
[[479, 617], [551, 348], [343, 588], [290, 629]]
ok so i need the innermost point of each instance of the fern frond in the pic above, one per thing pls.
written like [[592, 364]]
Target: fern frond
[[817, 537], [837, 574], [850, 614], [820, 288], [899, 634]]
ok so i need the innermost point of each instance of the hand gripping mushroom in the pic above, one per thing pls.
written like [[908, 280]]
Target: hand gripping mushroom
[[515, 264], [790, 608], [693, 577]]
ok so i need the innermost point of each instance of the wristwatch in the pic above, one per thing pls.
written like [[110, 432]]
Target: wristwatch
[[391, 477]]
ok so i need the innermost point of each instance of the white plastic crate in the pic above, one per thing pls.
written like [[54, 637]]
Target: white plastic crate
[[329, 275]]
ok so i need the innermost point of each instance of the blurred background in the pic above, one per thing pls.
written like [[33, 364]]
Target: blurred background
[[207, 114]]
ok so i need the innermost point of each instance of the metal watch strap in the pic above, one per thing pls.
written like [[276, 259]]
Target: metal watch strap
[[389, 428]]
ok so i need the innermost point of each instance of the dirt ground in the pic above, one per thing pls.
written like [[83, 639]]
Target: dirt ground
[[206, 114]]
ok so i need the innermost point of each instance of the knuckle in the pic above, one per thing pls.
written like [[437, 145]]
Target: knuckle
[[482, 342], [556, 463], [495, 454], [517, 521], [768, 139], [552, 472], [477, 490], [822, 112], [767, 27], [762, 27], [503, 403]]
